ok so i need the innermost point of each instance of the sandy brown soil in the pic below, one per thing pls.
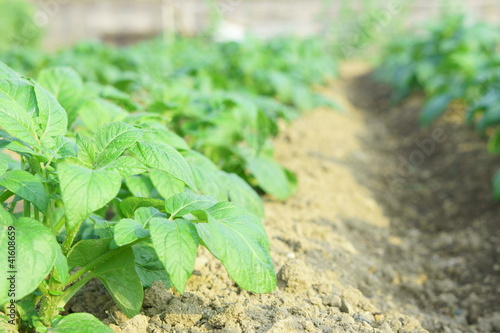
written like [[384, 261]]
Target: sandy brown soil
[[368, 243]]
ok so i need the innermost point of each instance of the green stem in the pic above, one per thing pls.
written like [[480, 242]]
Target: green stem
[[43, 288], [108, 255], [27, 209], [71, 291], [12, 206], [59, 224], [70, 237], [37, 213], [5, 195]]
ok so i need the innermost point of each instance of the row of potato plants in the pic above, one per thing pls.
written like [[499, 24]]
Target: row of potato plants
[[454, 61], [117, 164]]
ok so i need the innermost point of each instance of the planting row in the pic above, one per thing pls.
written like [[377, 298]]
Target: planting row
[[118, 164], [454, 61]]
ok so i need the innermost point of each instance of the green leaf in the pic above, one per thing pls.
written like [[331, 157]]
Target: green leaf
[[87, 250], [244, 195], [139, 185], [158, 133], [126, 166], [208, 177], [176, 243], [35, 255], [493, 143], [144, 214], [434, 108], [148, 266], [128, 231], [271, 177], [8, 73], [112, 139], [119, 277], [184, 203], [26, 186], [103, 228], [65, 85], [165, 158], [17, 105], [61, 270], [79, 322], [4, 166], [166, 184], [63, 148], [86, 149], [52, 117], [98, 112], [129, 205], [85, 191], [238, 239]]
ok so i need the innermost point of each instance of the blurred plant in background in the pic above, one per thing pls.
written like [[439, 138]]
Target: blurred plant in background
[[17, 26]]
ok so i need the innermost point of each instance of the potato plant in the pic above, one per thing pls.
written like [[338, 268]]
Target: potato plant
[[455, 61], [225, 99], [88, 191]]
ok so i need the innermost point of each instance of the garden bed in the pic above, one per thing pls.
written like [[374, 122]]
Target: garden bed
[[364, 245]]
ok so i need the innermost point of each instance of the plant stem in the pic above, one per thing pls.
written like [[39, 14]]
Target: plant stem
[[59, 224], [71, 291], [108, 255], [27, 209], [70, 237], [37, 213], [5, 195]]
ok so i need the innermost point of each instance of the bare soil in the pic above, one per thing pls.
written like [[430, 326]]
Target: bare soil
[[393, 229]]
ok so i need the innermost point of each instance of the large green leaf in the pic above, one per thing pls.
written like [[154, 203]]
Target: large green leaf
[[98, 112], [271, 177], [122, 282], [126, 166], [128, 231], [112, 139], [17, 105], [86, 149], [65, 85], [244, 195], [165, 158], [35, 255], [61, 269], [176, 243], [8, 73], [434, 108], [139, 185], [166, 184], [184, 203], [85, 191], [238, 239], [4, 166], [27, 187], [209, 179], [79, 322], [87, 250], [129, 205], [148, 266], [52, 117]]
